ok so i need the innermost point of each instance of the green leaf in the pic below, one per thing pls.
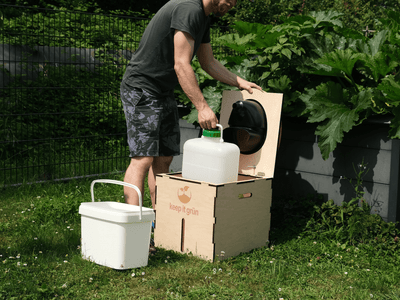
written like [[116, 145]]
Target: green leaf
[[287, 53], [374, 45], [281, 85], [246, 27], [274, 66], [343, 60], [328, 105], [237, 42], [327, 95], [213, 96], [378, 65], [326, 17], [249, 63], [265, 75], [242, 71], [391, 87]]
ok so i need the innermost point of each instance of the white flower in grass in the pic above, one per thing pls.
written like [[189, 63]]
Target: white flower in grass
[[143, 273], [345, 273], [64, 286], [372, 296], [133, 274], [18, 264], [280, 290], [166, 261], [65, 261], [271, 262]]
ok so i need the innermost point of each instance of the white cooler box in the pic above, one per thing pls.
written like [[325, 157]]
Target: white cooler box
[[116, 235]]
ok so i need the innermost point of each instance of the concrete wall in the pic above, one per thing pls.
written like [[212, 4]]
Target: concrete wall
[[300, 169]]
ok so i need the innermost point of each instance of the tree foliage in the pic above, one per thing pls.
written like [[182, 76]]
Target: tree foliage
[[357, 14]]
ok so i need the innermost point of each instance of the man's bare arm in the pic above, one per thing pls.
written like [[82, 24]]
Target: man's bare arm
[[184, 47], [219, 72]]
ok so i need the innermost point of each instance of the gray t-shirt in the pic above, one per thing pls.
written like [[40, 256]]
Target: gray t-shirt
[[152, 65]]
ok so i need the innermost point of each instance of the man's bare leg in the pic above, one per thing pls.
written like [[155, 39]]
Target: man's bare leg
[[160, 165], [136, 174]]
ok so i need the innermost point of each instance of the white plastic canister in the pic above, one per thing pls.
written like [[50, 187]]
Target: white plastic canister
[[210, 159]]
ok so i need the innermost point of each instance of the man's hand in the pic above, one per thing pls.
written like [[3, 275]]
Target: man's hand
[[207, 118], [247, 85]]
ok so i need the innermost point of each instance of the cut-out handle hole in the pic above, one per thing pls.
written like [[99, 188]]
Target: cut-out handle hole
[[245, 195]]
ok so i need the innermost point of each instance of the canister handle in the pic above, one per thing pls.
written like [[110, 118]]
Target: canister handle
[[119, 183], [221, 140]]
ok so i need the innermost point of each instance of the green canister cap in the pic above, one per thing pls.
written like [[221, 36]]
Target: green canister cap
[[212, 132]]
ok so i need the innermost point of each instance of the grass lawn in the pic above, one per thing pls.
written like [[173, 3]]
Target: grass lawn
[[40, 257]]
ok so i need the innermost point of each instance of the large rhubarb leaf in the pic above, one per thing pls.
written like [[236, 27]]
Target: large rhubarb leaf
[[326, 17], [327, 95], [256, 28], [320, 47], [281, 85], [373, 46], [391, 87], [250, 36], [237, 42], [327, 106], [378, 65], [343, 60]]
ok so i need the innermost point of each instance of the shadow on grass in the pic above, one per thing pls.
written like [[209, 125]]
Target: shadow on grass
[[289, 217], [50, 246]]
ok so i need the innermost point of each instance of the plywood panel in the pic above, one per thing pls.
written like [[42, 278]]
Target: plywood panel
[[242, 224], [262, 162]]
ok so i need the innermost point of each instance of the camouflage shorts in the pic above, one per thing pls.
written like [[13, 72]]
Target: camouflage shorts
[[152, 123]]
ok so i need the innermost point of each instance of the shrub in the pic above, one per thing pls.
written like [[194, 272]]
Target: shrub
[[329, 74]]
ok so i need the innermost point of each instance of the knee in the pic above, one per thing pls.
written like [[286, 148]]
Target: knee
[[163, 161], [141, 162]]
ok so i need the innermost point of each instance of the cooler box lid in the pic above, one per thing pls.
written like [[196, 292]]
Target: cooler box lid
[[116, 212], [262, 162]]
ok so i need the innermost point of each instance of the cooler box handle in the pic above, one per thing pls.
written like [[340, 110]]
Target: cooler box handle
[[119, 183]]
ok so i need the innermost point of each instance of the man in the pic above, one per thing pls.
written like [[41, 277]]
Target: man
[[178, 31]]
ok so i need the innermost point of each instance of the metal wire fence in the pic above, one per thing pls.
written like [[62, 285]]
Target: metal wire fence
[[60, 112]]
